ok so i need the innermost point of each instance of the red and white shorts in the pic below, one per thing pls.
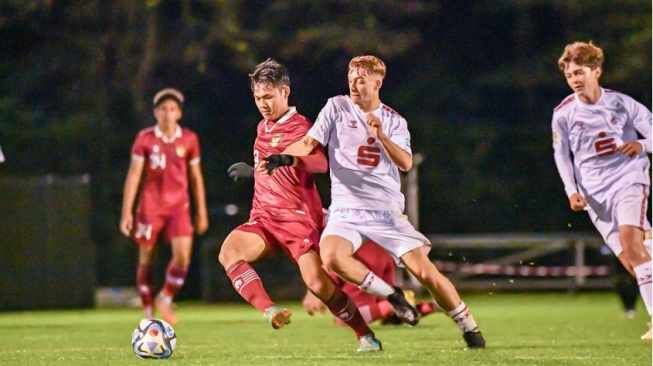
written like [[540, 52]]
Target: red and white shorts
[[295, 238]]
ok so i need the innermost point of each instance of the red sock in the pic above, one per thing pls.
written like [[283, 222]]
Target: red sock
[[144, 285], [426, 308], [175, 277], [381, 310], [343, 307], [249, 285]]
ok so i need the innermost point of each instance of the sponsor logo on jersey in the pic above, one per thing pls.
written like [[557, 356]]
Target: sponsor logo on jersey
[[352, 123], [157, 159], [581, 126], [180, 150], [276, 139]]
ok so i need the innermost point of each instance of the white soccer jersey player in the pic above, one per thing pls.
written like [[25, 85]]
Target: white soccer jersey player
[[366, 198], [592, 133], [362, 175], [599, 172]]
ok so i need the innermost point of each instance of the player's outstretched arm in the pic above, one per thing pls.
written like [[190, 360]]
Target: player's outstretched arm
[[312, 304], [129, 195], [302, 147], [199, 194]]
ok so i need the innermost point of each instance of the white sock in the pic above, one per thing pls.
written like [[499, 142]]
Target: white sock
[[463, 318], [374, 285], [643, 274]]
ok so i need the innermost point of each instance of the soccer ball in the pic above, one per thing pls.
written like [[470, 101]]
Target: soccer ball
[[154, 338]]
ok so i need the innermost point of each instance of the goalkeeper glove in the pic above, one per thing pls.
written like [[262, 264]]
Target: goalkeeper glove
[[277, 160], [240, 171]]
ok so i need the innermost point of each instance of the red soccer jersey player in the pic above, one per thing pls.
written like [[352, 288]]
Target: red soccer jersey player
[[284, 216], [164, 156]]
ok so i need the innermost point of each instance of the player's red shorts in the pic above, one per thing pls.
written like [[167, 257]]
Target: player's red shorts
[[148, 226], [295, 238]]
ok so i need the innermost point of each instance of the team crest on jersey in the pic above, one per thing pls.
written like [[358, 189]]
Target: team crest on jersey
[[352, 123], [180, 150], [276, 139], [614, 120]]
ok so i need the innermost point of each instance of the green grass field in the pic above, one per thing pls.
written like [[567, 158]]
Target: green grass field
[[525, 329]]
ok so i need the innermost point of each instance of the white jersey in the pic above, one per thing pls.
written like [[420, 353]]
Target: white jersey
[[362, 175], [592, 133]]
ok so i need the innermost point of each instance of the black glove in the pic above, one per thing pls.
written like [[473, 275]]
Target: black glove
[[277, 160], [240, 171]]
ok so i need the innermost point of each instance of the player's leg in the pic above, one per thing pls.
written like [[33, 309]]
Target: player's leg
[[179, 233], [146, 233], [340, 240], [144, 278], [445, 294], [175, 276], [339, 303], [243, 246]]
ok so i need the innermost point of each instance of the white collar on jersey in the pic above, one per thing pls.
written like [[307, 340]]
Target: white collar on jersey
[[158, 133], [284, 118], [598, 101]]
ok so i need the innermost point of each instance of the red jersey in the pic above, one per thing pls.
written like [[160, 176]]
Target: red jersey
[[164, 186], [289, 194]]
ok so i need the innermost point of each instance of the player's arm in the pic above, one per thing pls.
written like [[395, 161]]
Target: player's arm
[[400, 157], [315, 162], [562, 157], [641, 119], [129, 194], [199, 194]]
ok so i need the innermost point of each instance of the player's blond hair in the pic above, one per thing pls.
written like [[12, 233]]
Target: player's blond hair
[[367, 65], [581, 53]]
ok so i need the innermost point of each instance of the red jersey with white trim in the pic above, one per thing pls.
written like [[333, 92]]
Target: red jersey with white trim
[[164, 186], [289, 194], [593, 133]]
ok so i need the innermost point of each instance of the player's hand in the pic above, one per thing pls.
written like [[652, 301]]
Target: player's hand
[[374, 126], [631, 148], [276, 160], [126, 224], [577, 202], [201, 223], [240, 171], [312, 304]]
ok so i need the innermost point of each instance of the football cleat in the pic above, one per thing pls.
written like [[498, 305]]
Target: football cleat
[[367, 343], [648, 335], [404, 310], [164, 305], [277, 317], [474, 340]]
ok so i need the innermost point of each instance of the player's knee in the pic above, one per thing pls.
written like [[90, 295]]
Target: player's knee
[[227, 256], [319, 288], [331, 259]]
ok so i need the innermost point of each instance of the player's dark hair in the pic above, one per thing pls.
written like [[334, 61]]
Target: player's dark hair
[[169, 94], [269, 72]]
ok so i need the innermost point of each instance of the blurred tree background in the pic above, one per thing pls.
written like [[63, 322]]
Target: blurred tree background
[[476, 80]]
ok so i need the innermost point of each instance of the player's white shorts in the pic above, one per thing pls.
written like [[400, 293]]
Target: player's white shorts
[[391, 230], [627, 207]]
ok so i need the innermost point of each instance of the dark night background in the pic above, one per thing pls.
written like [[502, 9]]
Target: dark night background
[[476, 80]]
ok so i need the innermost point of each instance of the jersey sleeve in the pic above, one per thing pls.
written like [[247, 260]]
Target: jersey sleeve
[[562, 154], [138, 148], [194, 150], [641, 119], [323, 124], [399, 135]]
